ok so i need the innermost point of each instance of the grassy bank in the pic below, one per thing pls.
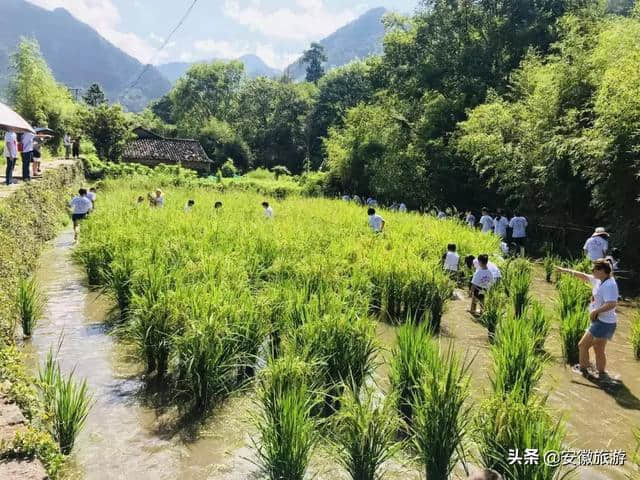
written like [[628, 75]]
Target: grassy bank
[[28, 219]]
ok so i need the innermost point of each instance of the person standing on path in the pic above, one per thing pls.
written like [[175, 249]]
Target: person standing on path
[[11, 154], [76, 147], [500, 225], [486, 221], [37, 155], [27, 155], [602, 313], [481, 281], [597, 245], [66, 141], [470, 218], [80, 208], [519, 226]]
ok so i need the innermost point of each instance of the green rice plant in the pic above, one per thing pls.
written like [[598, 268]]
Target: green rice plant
[[442, 415], [635, 335], [549, 263], [287, 430], [536, 317], [508, 423], [29, 304], [153, 320], [345, 349], [118, 282], [414, 350], [572, 328], [573, 295], [516, 364], [95, 258], [365, 435], [67, 403], [440, 291], [517, 283], [494, 309], [207, 363]]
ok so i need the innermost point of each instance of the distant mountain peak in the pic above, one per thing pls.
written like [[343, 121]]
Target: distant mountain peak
[[358, 39]]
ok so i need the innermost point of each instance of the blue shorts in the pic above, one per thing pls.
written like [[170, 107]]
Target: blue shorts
[[602, 330]]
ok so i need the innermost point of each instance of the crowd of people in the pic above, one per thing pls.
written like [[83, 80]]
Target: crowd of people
[[28, 145]]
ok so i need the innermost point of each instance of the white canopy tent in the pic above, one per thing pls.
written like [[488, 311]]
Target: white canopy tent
[[11, 120]]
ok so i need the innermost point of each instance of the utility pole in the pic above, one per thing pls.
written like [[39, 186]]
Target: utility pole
[[75, 92]]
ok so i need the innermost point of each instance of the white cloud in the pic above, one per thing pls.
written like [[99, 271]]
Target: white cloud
[[222, 49], [310, 20], [104, 17]]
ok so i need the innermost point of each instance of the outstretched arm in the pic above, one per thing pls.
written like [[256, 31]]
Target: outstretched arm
[[574, 273]]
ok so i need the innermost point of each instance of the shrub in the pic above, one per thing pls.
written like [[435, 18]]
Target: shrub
[[442, 415], [516, 364], [517, 282], [365, 435], [29, 304], [572, 328], [549, 263], [228, 169]]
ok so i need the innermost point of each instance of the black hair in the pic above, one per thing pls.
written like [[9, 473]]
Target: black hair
[[468, 260], [485, 209], [217, 204], [191, 202], [92, 189], [371, 211], [265, 204], [483, 259], [500, 212], [82, 191], [603, 264], [451, 247]]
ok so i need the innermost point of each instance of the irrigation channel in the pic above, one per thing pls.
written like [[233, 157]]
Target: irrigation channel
[[127, 436]]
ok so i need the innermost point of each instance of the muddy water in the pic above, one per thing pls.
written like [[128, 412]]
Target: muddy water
[[126, 438]]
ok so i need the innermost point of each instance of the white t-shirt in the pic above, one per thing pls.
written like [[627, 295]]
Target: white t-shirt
[[500, 225], [91, 196], [604, 292], [268, 212], [10, 145], [67, 141], [519, 225], [346, 198], [402, 208], [451, 261], [27, 142], [158, 201], [483, 279], [596, 248], [441, 214], [493, 268], [505, 248], [375, 222], [471, 220], [81, 205], [487, 223]]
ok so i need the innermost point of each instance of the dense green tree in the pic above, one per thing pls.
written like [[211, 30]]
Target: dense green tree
[[34, 92], [163, 108], [338, 91], [314, 58], [270, 115], [206, 91], [109, 129], [222, 143], [94, 95]]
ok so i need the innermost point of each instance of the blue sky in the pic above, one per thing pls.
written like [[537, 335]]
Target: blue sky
[[276, 30]]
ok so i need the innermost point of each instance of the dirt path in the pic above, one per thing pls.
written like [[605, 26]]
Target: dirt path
[[7, 191]]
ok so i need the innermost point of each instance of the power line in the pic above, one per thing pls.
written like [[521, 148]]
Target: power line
[[164, 44]]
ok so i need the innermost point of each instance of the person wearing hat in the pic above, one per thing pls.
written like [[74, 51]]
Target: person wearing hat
[[596, 246]]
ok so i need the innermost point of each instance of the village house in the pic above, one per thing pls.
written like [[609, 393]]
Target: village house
[[151, 149]]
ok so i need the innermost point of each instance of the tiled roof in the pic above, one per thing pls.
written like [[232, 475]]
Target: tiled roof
[[165, 150]]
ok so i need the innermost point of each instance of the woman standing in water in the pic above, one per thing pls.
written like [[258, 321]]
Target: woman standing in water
[[603, 316]]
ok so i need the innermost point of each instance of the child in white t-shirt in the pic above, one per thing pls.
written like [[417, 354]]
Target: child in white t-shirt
[[268, 211], [481, 281], [486, 221], [451, 260], [376, 222]]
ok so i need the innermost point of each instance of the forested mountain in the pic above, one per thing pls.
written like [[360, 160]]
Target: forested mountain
[[356, 40], [254, 67], [76, 53]]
